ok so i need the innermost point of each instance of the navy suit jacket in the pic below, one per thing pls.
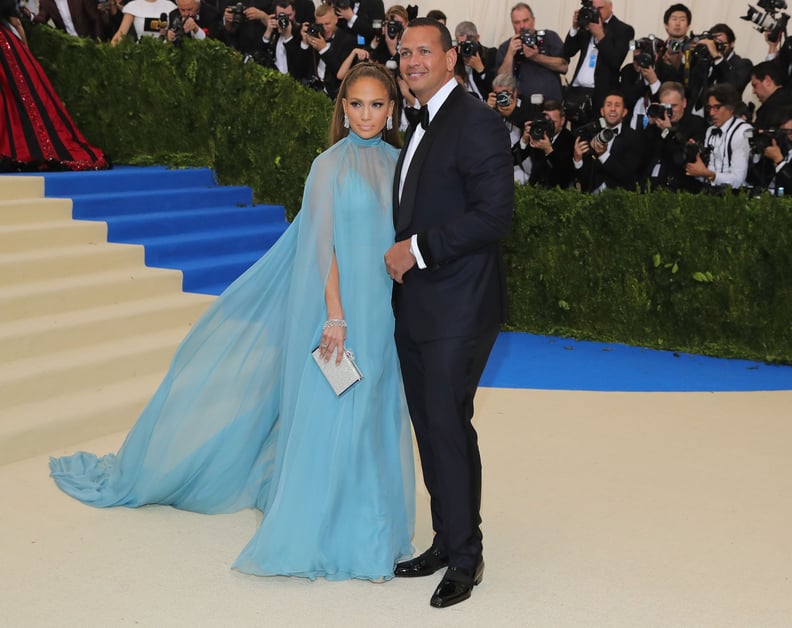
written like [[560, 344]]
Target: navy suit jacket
[[458, 196]]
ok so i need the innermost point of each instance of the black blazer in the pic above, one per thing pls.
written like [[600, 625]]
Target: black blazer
[[483, 81], [555, 169], [665, 159], [458, 197], [734, 70], [611, 53], [367, 11], [85, 17], [342, 43], [209, 19]]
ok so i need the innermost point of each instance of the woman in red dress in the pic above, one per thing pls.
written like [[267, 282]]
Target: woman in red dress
[[36, 131]]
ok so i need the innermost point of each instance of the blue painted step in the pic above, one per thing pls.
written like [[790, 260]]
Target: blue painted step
[[182, 217]]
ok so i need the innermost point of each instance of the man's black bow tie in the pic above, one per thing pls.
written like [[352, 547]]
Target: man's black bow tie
[[416, 116], [716, 132]]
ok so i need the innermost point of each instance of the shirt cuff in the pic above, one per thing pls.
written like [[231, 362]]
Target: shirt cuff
[[416, 252], [324, 50], [199, 34], [351, 22], [578, 164]]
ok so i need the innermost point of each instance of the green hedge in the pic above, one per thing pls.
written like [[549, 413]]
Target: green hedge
[[198, 105], [704, 274]]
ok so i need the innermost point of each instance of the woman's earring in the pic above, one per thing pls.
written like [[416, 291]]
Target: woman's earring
[[389, 123], [346, 121]]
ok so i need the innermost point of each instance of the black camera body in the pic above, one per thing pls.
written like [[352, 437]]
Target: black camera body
[[760, 139], [283, 21], [393, 28], [469, 48], [691, 150], [771, 22], [649, 48], [540, 127], [587, 14], [595, 131], [700, 50], [531, 39], [503, 98], [659, 110], [237, 15], [177, 26], [315, 30]]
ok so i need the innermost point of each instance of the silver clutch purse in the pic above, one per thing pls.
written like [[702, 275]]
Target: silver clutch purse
[[341, 377]]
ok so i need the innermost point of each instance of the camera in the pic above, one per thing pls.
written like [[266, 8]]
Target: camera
[[760, 139], [534, 40], [691, 150], [393, 28], [587, 14], [315, 30], [700, 51], [177, 26], [503, 99], [283, 21], [659, 110], [469, 48], [675, 46], [769, 22], [595, 131], [540, 127], [649, 48], [237, 15]]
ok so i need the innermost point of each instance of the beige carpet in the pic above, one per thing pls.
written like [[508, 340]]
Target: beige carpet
[[600, 509]]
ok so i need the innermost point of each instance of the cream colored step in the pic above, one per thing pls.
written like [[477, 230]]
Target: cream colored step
[[33, 210], [38, 298], [57, 373], [56, 423], [54, 233], [68, 261], [21, 187], [30, 337]]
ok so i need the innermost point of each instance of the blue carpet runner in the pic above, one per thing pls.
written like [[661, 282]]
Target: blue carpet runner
[[213, 234], [182, 217]]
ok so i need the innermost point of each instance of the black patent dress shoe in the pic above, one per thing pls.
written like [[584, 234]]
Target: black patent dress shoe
[[423, 565], [456, 586]]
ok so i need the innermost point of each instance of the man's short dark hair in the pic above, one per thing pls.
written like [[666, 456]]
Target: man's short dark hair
[[437, 14], [724, 29], [726, 94], [615, 92], [445, 34], [674, 8], [769, 68], [553, 105], [283, 4]]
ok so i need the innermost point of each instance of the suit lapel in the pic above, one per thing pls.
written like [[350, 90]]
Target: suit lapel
[[397, 175], [435, 130]]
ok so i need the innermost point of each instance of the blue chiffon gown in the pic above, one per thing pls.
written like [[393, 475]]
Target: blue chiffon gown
[[245, 419]]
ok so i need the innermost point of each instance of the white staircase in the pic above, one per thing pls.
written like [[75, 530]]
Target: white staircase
[[86, 329]]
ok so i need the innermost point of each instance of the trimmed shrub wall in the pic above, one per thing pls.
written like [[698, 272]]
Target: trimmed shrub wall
[[704, 274]]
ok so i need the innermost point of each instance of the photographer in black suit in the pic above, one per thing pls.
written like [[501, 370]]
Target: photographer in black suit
[[668, 136], [614, 155], [778, 153], [602, 41], [194, 20], [244, 22], [550, 149], [479, 60], [282, 39], [325, 47], [360, 18]]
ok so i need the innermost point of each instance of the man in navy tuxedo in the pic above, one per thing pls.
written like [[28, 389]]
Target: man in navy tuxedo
[[453, 203]]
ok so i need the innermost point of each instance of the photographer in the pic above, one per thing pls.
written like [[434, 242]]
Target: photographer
[[671, 129], [549, 147], [505, 100], [385, 45], [714, 62], [536, 59], [638, 81], [602, 41], [359, 18], [767, 81], [280, 43], [244, 23], [326, 47], [609, 156], [192, 19], [479, 61], [671, 65], [779, 153], [725, 141]]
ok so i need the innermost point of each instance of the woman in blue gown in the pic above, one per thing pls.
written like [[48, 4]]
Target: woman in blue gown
[[245, 418]]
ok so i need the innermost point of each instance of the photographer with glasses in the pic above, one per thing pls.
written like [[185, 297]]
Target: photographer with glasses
[[724, 162], [505, 100], [479, 61]]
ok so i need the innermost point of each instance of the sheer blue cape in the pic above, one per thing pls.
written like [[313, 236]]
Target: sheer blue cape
[[244, 417]]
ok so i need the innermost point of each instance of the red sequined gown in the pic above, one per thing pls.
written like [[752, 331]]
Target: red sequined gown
[[36, 131]]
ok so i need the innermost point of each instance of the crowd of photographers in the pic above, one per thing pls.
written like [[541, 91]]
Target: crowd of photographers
[[653, 112]]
